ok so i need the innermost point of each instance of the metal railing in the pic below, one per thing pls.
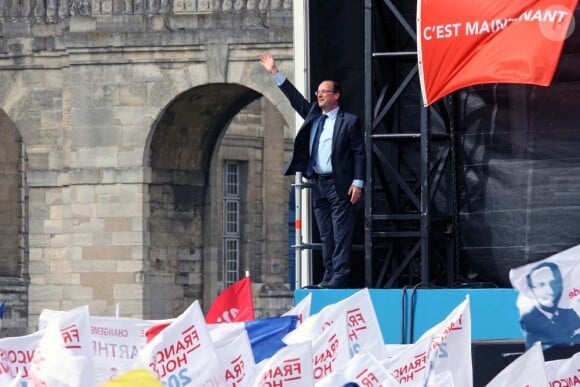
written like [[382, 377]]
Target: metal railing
[[303, 244], [299, 245]]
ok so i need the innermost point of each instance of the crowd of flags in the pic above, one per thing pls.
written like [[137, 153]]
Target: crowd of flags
[[340, 345]]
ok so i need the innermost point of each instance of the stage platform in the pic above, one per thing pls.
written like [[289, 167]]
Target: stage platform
[[494, 315]]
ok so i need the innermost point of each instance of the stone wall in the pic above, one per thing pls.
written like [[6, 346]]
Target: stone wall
[[120, 108]]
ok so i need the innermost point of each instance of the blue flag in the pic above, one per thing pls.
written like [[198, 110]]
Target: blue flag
[[2, 312], [266, 335]]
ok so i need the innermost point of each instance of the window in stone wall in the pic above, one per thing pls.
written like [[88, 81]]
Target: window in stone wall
[[231, 221]]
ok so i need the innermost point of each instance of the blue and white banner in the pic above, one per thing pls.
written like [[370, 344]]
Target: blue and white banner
[[549, 299]]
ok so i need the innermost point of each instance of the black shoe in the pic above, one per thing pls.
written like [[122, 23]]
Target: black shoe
[[321, 285], [336, 285]]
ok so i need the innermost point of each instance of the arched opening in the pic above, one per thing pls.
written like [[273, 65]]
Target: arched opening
[[204, 231], [14, 265]]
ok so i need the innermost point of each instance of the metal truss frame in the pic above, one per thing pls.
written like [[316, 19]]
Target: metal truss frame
[[407, 236]]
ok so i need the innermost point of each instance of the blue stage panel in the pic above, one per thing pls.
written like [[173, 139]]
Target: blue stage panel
[[494, 314]]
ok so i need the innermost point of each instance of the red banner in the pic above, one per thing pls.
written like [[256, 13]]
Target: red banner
[[234, 304], [468, 42]]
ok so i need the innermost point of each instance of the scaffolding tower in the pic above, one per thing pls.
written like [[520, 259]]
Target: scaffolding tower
[[410, 197]]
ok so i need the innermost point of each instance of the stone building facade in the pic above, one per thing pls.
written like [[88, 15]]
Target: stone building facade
[[116, 121]]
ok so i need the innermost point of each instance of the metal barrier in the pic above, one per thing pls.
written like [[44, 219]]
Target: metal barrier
[[299, 245], [303, 234]]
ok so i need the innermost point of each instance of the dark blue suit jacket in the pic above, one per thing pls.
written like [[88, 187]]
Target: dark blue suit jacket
[[348, 155]]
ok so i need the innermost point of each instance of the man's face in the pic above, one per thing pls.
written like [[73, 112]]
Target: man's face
[[326, 97], [542, 287]]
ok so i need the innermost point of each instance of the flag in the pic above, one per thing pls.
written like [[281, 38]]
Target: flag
[[450, 352], [394, 350], [526, 370], [116, 341], [265, 334], [2, 306], [364, 331], [301, 309], [234, 304], [25, 346], [331, 349], [154, 330], [362, 370], [9, 381], [183, 352], [500, 41], [442, 352], [57, 364], [236, 359], [75, 331], [290, 366], [409, 367], [564, 372], [549, 299]]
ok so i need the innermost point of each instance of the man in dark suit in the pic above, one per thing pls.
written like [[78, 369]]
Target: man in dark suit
[[329, 150], [546, 322]]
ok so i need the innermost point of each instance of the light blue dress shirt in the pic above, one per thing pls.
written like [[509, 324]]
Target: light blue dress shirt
[[322, 161]]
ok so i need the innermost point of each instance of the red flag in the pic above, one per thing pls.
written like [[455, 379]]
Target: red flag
[[468, 42], [234, 304], [154, 330]]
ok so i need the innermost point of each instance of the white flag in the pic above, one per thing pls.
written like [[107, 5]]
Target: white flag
[[16, 353], [225, 331], [331, 350], [549, 298], [183, 353], [56, 364], [116, 341], [364, 370], [450, 352], [364, 331], [302, 309], [409, 367], [565, 372], [394, 350], [9, 381], [291, 366], [236, 359], [526, 371]]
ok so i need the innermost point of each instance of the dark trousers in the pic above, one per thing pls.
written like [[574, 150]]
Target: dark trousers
[[335, 218]]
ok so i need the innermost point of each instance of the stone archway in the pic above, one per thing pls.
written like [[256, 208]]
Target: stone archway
[[184, 195], [14, 266]]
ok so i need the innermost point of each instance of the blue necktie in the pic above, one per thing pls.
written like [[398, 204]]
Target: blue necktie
[[318, 130]]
